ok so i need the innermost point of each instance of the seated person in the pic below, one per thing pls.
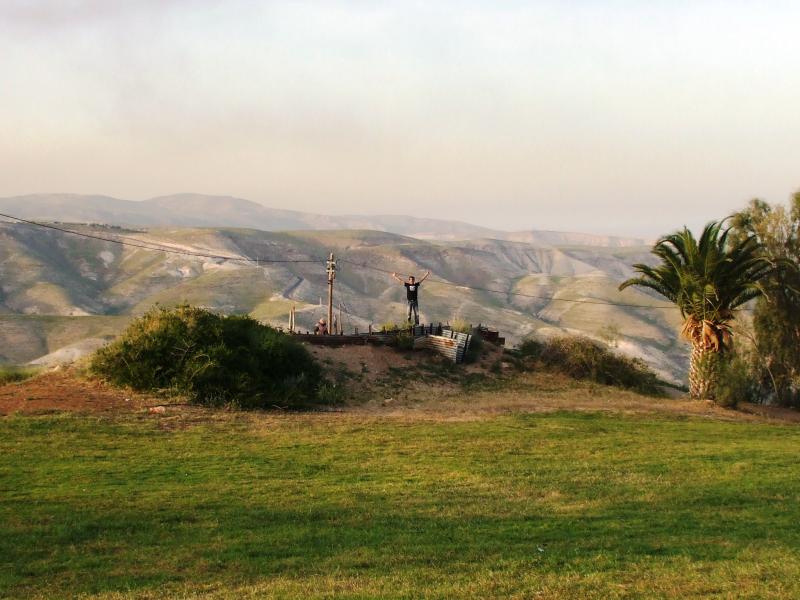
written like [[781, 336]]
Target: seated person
[[321, 328]]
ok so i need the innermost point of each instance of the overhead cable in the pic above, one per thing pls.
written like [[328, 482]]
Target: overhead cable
[[144, 245]]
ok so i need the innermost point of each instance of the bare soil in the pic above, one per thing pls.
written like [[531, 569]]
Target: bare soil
[[374, 361], [65, 390], [386, 383], [380, 360]]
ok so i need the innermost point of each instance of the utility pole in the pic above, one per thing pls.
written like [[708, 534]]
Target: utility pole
[[331, 276]]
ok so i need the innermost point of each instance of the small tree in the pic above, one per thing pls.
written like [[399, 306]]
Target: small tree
[[776, 318], [707, 279]]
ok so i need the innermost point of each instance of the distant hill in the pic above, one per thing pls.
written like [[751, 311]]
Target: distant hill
[[565, 238], [59, 289], [198, 210]]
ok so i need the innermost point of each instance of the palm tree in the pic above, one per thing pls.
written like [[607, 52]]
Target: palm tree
[[707, 280]]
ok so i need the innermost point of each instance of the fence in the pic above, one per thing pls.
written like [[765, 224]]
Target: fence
[[436, 337], [357, 339], [452, 344]]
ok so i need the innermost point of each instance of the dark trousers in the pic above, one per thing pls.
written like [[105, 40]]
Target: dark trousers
[[413, 307]]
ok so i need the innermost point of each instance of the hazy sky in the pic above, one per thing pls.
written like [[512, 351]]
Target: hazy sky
[[615, 117]]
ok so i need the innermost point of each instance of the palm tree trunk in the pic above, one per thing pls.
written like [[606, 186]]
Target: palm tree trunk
[[703, 365]]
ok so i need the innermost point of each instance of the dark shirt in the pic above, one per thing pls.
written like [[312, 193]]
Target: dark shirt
[[411, 290]]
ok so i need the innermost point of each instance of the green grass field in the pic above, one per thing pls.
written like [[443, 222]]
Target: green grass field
[[355, 506]]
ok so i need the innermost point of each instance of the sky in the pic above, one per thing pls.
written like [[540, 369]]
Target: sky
[[616, 117]]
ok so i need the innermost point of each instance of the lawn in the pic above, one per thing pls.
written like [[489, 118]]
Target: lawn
[[348, 505]]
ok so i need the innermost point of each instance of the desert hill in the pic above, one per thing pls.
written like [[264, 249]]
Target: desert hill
[[60, 289], [199, 210]]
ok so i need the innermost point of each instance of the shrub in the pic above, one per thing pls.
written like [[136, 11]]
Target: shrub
[[331, 393], [530, 348], [734, 382], [12, 374], [461, 326], [582, 358], [211, 359], [390, 326], [404, 340]]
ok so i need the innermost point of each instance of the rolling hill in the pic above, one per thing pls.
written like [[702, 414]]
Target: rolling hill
[[58, 289], [199, 210]]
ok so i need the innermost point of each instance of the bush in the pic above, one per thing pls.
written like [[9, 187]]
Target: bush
[[581, 358], [530, 348], [734, 382], [404, 340], [461, 326], [211, 359], [12, 374], [331, 393], [391, 326]]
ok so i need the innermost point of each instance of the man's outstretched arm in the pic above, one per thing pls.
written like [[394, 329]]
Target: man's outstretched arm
[[396, 277], [424, 277]]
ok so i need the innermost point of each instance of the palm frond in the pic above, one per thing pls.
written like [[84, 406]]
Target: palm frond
[[707, 278]]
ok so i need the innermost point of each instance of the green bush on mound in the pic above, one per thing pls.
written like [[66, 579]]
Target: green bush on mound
[[582, 358], [211, 359], [13, 374]]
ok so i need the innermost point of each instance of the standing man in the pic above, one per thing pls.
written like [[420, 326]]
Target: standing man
[[412, 289]]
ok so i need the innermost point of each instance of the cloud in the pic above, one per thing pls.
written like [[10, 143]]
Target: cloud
[[63, 13], [526, 112]]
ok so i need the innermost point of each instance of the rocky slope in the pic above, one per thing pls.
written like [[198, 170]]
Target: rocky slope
[[59, 289]]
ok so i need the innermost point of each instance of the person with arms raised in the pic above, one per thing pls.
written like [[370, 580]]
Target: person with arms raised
[[412, 294]]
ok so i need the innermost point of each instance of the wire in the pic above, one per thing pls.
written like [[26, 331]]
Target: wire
[[156, 247], [509, 293]]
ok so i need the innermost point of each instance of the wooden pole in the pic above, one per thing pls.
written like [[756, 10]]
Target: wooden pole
[[331, 276]]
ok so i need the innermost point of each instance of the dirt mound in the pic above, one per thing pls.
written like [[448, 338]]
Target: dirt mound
[[375, 360], [65, 391], [413, 385], [380, 360]]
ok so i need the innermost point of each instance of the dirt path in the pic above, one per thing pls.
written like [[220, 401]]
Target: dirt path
[[65, 391]]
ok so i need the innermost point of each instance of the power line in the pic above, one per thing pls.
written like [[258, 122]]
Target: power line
[[548, 298], [509, 293], [156, 247]]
